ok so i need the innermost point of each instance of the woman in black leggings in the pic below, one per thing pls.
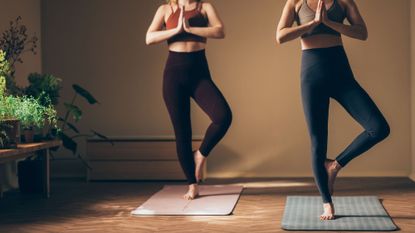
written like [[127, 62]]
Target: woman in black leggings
[[186, 25], [325, 74]]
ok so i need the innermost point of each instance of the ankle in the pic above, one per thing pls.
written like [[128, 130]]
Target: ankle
[[328, 206], [198, 153], [336, 166]]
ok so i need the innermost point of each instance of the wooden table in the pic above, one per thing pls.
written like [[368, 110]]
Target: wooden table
[[25, 150]]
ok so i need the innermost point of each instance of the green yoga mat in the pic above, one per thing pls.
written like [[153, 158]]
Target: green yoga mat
[[354, 213]]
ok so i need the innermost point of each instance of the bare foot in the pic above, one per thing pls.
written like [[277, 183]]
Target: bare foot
[[333, 168], [199, 163], [328, 213], [192, 193]]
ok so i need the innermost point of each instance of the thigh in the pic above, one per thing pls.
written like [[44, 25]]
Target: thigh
[[210, 99], [358, 104], [177, 100], [316, 110]]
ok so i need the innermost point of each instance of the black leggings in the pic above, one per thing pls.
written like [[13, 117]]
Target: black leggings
[[187, 75], [325, 73]]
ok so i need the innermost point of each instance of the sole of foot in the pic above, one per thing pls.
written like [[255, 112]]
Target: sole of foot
[[332, 174]]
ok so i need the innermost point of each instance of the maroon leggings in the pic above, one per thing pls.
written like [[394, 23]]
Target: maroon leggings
[[186, 76]]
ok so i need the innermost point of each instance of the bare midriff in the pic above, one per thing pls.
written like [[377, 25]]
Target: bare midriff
[[320, 41], [186, 46]]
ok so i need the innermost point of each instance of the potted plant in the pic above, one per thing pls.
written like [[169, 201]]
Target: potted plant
[[9, 126], [34, 116], [45, 88], [15, 41]]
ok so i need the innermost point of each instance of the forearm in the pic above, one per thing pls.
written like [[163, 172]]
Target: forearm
[[291, 33], [354, 31], [208, 32], [160, 36]]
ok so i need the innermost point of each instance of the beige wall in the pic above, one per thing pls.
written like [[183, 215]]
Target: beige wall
[[100, 45], [413, 86], [30, 12]]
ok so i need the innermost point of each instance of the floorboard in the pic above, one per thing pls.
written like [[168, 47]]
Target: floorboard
[[78, 206]]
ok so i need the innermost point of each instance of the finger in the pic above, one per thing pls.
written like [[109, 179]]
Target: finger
[[322, 7], [319, 6]]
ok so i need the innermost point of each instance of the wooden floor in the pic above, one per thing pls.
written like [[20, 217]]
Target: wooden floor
[[77, 206]]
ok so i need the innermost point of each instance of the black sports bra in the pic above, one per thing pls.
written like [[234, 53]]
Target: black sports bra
[[305, 14]]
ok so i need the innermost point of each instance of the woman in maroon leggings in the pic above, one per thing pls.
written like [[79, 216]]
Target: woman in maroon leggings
[[186, 25]]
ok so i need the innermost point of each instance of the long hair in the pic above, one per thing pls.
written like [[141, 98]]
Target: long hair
[[175, 1]]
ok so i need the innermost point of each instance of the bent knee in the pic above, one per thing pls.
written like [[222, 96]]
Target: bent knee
[[381, 132], [224, 118]]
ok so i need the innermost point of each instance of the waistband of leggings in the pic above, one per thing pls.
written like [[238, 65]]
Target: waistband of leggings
[[188, 54], [337, 48]]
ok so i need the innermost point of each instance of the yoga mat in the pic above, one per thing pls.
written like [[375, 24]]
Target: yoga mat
[[213, 200], [353, 213]]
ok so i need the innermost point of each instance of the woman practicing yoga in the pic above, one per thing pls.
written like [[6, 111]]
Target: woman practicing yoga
[[325, 74], [186, 25]]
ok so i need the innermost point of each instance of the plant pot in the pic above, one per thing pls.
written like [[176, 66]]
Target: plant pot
[[31, 176], [29, 135], [45, 130], [11, 127]]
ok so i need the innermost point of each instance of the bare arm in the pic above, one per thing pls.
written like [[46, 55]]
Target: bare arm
[[357, 28], [286, 31], [156, 34], [216, 28]]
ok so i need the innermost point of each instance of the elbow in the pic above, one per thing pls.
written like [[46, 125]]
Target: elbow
[[280, 39], [220, 34], [362, 34], [365, 36], [149, 41], [362, 37]]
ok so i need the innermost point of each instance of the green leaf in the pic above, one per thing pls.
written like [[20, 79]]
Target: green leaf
[[73, 127], [68, 142], [84, 93], [105, 138], [75, 111]]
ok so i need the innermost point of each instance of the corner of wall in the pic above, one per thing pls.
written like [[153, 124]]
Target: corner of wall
[[412, 73]]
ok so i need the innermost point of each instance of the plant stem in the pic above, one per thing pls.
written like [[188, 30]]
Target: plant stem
[[67, 113], [82, 135]]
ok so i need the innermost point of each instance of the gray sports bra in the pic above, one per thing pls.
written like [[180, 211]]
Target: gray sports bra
[[305, 14]]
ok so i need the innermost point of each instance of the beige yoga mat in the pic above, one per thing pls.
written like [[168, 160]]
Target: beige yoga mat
[[213, 200]]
